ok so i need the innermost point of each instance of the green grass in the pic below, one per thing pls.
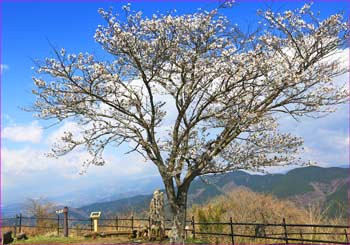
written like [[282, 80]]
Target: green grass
[[73, 240], [83, 240], [99, 240], [196, 241]]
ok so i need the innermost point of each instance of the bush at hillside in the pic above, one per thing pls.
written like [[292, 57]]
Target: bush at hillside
[[246, 206]]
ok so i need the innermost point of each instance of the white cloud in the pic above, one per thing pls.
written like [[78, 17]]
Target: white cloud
[[23, 161], [31, 161], [30, 170], [4, 67], [326, 140], [67, 126], [28, 161], [22, 133], [328, 147], [341, 56]]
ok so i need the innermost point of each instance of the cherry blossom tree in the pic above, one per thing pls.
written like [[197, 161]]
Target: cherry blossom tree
[[194, 94]]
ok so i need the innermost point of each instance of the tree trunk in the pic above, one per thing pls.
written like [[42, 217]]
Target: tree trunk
[[177, 199], [177, 234]]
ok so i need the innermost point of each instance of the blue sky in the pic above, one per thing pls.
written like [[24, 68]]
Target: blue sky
[[28, 27]]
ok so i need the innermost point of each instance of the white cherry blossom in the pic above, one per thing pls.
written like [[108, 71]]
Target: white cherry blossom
[[227, 89]]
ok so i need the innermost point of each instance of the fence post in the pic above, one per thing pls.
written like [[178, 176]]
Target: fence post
[[91, 225], [314, 233], [14, 230], [193, 228], [301, 236], [58, 224], [285, 230], [15, 226], [65, 221], [346, 236], [132, 223], [232, 236], [20, 223], [116, 222]]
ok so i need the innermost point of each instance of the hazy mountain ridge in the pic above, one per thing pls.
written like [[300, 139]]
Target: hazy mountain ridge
[[329, 186]]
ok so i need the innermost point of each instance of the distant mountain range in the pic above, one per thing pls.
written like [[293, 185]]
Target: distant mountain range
[[327, 186], [309, 185], [86, 195], [330, 187]]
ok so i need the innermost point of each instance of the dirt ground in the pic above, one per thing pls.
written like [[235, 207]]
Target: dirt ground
[[83, 240]]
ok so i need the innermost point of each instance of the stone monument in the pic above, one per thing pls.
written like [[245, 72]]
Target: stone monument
[[156, 213]]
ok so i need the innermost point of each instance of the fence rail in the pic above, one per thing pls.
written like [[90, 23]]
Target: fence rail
[[287, 232]]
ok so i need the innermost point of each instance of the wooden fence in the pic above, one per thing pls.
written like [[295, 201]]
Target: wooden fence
[[224, 232]]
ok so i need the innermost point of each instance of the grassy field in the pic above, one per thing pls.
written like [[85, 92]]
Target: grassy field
[[83, 240], [73, 240]]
